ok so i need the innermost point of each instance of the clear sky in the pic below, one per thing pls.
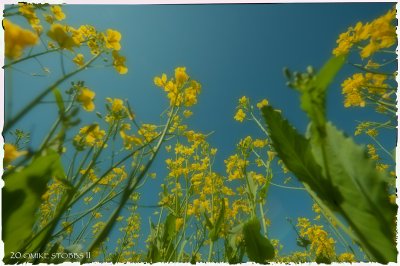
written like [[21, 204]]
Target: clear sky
[[233, 50]]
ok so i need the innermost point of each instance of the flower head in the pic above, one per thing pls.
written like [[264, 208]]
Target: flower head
[[85, 97], [263, 103], [63, 36], [240, 115], [119, 63], [79, 60], [11, 153], [57, 12], [112, 39], [17, 39]]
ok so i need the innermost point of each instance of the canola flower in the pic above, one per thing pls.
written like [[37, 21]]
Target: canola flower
[[359, 85], [17, 39], [85, 97], [28, 11], [370, 37], [58, 13], [11, 153], [89, 136], [180, 89], [79, 60]]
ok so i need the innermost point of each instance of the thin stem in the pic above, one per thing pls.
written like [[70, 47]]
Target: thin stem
[[29, 57], [9, 124]]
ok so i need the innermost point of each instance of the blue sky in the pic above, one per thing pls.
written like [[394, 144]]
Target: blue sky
[[233, 50]]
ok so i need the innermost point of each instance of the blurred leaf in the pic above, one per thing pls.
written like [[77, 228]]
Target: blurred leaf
[[168, 237], [365, 204], [22, 196], [258, 248], [169, 227], [312, 97], [346, 181], [217, 228], [59, 101]]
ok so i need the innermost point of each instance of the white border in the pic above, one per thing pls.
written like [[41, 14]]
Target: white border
[[152, 2]]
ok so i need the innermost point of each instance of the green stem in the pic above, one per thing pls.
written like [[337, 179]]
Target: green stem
[[127, 192], [29, 57], [210, 251], [9, 124]]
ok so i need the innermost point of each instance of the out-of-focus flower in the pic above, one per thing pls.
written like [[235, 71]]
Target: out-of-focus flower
[[11, 153], [17, 39], [85, 97]]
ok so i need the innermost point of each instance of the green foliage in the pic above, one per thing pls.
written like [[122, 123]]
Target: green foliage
[[214, 232], [258, 248], [313, 90], [337, 170], [363, 190], [22, 192]]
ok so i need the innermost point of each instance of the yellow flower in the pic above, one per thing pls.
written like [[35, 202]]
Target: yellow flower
[[240, 115], [67, 226], [17, 39], [117, 105], [59, 34], [119, 63], [346, 257], [90, 135], [11, 153], [118, 111], [79, 59], [97, 215], [180, 76], [58, 13], [161, 81], [259, 143], [263, 103], [49, 19], [379, 34], [112, 39], [243, 100], [178, 224], [28, 11], [85, 97], [187, 113]]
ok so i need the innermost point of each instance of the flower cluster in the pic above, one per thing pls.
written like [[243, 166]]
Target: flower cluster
[[322, 245], [17, 39], [62, 36], [180, 89], [89, 136], [370, 37], [359, 87]]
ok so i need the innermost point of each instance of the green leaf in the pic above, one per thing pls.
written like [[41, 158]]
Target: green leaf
[[365, 200], [59, 100], [217, 228], [312, 97], [258, 248], [295, 151], [346, 181], [169, 228], [22, 196]]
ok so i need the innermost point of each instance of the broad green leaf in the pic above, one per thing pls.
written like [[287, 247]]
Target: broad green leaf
[[365, 200], [295, 151], [258, 248], [168, 237], [169, 227], [22, 196], [352, 186]]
